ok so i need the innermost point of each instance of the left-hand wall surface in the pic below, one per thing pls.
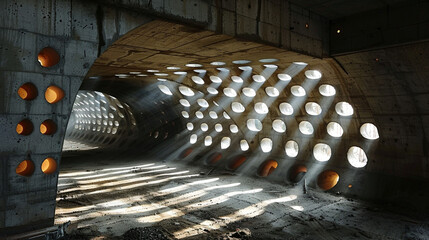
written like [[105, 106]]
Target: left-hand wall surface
[[46, 49]]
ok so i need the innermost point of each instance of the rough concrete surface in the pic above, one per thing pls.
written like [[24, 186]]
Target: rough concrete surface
[[111, 198]]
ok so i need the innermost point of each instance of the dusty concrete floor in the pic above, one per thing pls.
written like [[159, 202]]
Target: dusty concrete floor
[[104, 199]]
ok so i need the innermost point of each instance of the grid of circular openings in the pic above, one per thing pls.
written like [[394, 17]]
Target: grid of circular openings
[[286, 109], [165, 89], [254, 125], [237, 107], [266, 145], [357, 157], [229, 92], [291, 148], [298, 91], [322, 152], [186, 91], [369, 131], [249, 92], [313, 108], [306, 128], [327, 90], [96, 111], [261, 108], [344, 109], [334, 129], [279, 126]]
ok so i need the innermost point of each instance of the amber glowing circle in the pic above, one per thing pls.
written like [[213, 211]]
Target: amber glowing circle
[[25, 168], [48, 57], [54, 94], [49, 165]]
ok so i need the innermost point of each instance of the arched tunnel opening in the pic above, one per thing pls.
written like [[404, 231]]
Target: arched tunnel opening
[[177, 132]]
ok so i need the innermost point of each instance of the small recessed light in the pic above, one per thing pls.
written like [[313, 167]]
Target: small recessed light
[[338, 31], [306, 25]]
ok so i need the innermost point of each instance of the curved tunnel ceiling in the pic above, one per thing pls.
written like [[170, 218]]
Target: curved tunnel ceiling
[[243, 105]]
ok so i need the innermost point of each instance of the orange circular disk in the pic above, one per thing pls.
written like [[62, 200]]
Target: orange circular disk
[[48, 57], [25, 127], [25, 168], [54, 94], [27, 91], [328, 179], [49, 165], [48, 127]]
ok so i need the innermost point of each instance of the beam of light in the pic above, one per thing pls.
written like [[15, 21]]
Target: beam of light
[[111, 173], [251, 211], [298, 208]]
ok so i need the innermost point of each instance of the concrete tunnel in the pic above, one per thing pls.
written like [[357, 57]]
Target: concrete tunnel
[[207, 119]]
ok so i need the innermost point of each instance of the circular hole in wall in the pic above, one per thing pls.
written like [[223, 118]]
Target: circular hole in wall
[[237, 107], [25, 168], [244, 145], [266, 145], [48, 127], [214, 158], [49, 165], [286, 109], [27, 91], [249, 92], [25, 127], [261, 108], [297, 173], [225, 142], [254, 125], [306, 128], [327, 90], [54, 94], [291, 148], [334, 129], [267, 168], [48, 57], [357, 157], [279, 126], [344, 109], [369, 131], [322, 152], [237, 162], [327, 179], [313, 108]]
